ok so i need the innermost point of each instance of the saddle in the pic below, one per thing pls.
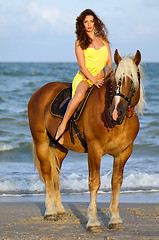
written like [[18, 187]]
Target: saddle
[[58, 108]]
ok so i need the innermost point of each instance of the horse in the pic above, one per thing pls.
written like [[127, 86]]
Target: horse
[[109, 124]]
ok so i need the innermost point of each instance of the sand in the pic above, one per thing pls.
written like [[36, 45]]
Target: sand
[[20, 220]]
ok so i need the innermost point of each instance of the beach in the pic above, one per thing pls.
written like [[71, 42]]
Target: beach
[[24, 220]]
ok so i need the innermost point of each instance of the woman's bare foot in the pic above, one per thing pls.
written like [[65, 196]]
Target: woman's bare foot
[[59, 132]]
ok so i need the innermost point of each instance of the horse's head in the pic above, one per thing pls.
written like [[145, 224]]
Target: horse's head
[[126, 87]]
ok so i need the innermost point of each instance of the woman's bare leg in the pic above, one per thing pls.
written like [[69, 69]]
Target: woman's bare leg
[[73, 104]]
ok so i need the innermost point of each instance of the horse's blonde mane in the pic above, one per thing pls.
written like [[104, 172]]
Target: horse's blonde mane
[[127, 67]]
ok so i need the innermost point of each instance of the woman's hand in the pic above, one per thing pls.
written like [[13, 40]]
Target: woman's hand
[[99, 83]]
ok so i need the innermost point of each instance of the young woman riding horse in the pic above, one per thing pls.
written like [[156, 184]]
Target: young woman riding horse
[[112, 106], [93, 53]]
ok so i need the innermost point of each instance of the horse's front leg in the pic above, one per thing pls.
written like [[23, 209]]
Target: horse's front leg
[[94, 160], [117, 178]]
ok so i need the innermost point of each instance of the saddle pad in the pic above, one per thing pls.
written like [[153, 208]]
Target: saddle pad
[[60, 102]]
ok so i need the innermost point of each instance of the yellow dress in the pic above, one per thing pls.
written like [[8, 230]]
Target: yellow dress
[[95, 61]]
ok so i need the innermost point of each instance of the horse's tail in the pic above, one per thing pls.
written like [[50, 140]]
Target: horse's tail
[[53, 160], [37, 162]]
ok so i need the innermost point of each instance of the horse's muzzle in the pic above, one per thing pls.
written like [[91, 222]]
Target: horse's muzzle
[[117, 115]]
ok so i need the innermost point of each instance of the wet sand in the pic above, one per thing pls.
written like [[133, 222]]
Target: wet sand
[[22, 220]]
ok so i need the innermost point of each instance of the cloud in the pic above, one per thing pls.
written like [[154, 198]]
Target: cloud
[[39, 17], [48, 18], [35, 17]]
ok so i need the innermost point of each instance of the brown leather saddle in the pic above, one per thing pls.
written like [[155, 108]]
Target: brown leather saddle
[[59, 106]]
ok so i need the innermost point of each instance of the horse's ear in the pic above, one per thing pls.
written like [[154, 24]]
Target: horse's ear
[[117, 57], [137, 57]]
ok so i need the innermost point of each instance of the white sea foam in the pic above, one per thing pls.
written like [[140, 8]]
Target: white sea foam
[[75, 182], [21, 179], [141, 180], [29, 184], [22, 195], [7, 146], [133, 181]]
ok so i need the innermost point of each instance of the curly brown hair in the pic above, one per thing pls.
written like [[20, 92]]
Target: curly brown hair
[[99, 27]]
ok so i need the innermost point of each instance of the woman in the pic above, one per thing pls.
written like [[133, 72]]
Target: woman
[[93, 53]]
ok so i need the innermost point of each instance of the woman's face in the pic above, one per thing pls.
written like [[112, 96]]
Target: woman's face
[[89, 23]]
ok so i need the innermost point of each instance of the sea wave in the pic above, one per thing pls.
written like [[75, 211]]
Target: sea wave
[[21, 146], [22, 195], [29, 184], [135, 182], [25, 183], [7, 146], [141, 180]]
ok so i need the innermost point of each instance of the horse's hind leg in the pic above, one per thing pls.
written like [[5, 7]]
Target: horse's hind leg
[[60, 154], [117, 178], [48, 172]]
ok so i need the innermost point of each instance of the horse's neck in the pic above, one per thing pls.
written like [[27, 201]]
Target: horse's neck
[[104, 94], [109, 75]]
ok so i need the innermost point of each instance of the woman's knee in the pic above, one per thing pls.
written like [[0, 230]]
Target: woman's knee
[[79, 96], [81, 91]]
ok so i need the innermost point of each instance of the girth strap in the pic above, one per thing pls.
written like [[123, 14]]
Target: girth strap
[[79, 135], [71, 131], [71, 126]]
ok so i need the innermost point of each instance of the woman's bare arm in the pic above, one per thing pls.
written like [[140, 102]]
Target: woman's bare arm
[[109, 62]]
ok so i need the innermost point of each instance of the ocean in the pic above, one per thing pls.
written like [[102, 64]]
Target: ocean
[[18, 179]]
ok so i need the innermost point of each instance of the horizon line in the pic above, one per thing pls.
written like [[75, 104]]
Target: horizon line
[[59, 62]]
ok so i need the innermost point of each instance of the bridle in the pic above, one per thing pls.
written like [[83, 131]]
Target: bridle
[[117, 91]]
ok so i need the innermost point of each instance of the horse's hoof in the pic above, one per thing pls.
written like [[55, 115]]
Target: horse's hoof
[[94, 229], [117, 226], [50, 217]]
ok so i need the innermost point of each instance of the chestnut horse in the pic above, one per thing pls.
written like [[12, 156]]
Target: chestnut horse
[[108, 124]]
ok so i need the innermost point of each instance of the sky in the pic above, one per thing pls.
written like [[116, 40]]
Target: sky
[[44, 30]]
